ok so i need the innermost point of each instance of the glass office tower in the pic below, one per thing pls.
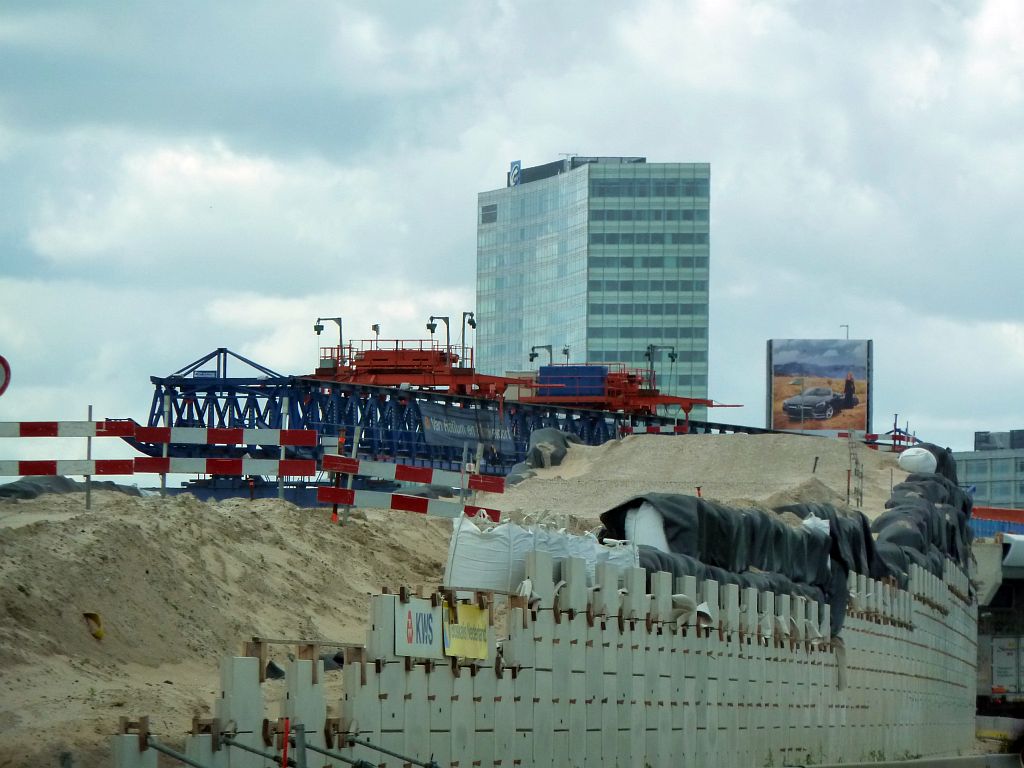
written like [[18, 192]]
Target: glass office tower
[[604, 256]]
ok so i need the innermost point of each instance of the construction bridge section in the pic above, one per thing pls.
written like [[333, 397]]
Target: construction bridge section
[[621, 674], [421, 426]]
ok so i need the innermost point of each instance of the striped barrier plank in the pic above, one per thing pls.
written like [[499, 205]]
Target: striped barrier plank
[[284, 467], [182, 435], [661, 429], [405, 473], [68, 467], [401, 502], [226, 435], [67, 429]]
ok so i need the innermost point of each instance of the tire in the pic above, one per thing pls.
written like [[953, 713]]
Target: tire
[[829, 412]]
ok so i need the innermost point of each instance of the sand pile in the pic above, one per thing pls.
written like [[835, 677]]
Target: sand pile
[[744, 470], [180, 583]]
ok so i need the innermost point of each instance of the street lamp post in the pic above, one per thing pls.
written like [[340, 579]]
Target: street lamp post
[[847, 327], [534, 353], [470, 320], [376, 330], [432, 326], [565, 351], [319, 327], [649, 354]]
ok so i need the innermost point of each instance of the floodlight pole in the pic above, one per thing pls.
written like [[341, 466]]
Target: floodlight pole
[[649, 354], [318, 328], [447, 332], [533, 353], [472, 324]]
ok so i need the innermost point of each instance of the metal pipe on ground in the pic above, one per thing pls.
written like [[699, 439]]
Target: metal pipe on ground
[[968, 761], [246, 748], [332, 755], [429, 764]]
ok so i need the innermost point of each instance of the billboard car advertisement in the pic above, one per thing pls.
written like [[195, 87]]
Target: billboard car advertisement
[[823, 385]]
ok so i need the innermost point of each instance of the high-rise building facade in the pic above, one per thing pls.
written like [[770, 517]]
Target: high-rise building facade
[[995, 468], [603, 258]]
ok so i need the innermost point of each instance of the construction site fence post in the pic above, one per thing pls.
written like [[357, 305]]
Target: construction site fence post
[[88, 457], [284, 425], [166, 446], [355, 454]]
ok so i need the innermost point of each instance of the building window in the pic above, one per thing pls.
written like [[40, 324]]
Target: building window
[[648, 188], [976, 470], [1001, 491], [1002, 467], [489, 213]]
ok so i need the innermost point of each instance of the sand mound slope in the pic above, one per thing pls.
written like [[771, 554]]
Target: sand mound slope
[[766, 470], [178, 584]]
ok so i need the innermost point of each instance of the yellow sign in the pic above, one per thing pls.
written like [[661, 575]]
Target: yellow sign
[[467, 637]]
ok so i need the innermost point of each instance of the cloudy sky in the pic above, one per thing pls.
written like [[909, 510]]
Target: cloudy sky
[[177, 177]]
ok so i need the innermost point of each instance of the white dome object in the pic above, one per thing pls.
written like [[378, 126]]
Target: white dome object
[[917, 460]]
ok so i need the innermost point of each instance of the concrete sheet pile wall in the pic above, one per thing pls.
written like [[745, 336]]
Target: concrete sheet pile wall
[[617, 676]]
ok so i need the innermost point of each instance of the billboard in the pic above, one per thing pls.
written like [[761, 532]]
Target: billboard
[[824, 385]]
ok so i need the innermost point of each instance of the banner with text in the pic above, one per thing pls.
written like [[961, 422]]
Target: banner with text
[[466, 637], [454, 427]]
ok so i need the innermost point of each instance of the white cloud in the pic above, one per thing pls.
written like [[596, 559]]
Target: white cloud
[[995, 56], [203, 205], [865, 171]]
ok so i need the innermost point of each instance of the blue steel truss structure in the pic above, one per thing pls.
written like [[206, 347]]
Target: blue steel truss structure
[[391, 420]]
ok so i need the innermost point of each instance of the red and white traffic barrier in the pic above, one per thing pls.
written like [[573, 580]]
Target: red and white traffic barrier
[[68, 467], [283, 467], [405, 473], [182, 435], [657, 429], [398, 501], [226, 436], [67, 428], [897, 443], [406, 503]]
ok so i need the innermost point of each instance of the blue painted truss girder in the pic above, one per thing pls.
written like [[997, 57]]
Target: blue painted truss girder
[[390, 419]]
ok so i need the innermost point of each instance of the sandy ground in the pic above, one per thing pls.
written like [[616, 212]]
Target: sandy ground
[[765, 470], [180, 583]]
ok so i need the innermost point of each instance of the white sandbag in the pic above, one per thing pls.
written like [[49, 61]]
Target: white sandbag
[[917, 460], [816, 524], [495, 558], [644, 525]]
